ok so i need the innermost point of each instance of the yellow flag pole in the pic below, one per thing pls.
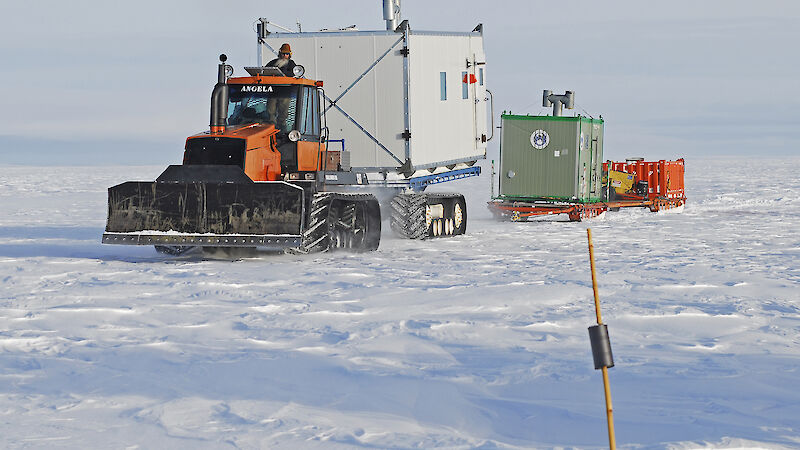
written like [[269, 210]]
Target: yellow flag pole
[[594, 277], [612, 444]]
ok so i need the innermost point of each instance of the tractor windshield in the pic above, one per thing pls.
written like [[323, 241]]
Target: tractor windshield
[[263, 104]]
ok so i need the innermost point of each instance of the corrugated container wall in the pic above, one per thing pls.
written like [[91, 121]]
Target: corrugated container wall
[[398, 99], [546, 157]]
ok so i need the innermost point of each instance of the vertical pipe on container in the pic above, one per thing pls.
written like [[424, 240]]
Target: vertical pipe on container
[[391, 13], [656, 173], [676, 175], [673, 175], [406, 89], [492, 181], [669, 176], [639, 169], [662, 177]]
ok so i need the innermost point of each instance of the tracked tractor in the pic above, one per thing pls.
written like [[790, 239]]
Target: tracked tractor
[[263, 175], [251, 180]]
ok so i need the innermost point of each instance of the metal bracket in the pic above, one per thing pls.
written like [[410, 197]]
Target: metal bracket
[[420, 183], [406, 134]]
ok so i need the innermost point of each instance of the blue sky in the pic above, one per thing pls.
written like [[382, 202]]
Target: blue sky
[[96, 82]]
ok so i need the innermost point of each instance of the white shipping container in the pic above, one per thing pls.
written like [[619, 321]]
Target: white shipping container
[[398, 98]]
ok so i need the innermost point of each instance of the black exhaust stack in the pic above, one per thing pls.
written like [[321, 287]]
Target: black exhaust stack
[[219, 99]]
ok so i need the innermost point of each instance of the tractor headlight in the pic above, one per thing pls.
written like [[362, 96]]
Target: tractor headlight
[[298, 71], [294, 135]]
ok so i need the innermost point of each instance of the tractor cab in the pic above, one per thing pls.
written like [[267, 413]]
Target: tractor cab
[[291, 106], [268, 124]]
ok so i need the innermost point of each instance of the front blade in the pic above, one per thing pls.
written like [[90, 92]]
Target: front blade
[[273, 208]]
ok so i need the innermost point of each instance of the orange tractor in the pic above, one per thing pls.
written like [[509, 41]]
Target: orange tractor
[[262, 176]]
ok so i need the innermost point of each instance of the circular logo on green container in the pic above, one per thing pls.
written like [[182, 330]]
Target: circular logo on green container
[[540, 139]]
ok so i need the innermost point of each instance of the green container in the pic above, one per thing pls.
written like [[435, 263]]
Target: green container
[[551, 158]]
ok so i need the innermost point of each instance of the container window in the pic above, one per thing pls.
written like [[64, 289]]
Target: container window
[[480, 76], [442, 86], [464, 85]]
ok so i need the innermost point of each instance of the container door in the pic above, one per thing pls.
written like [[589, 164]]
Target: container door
[[443, 113], [479, 97], [584, 163], [595, 189]]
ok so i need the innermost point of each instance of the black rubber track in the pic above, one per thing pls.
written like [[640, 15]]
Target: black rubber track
[[341, 221], [409, 214]]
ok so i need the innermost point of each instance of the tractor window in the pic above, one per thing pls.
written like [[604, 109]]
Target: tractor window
[[318, 115], [263, 104], [309, 125]]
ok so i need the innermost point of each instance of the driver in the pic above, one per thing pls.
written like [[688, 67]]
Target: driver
[[278, 107], [284, 61]]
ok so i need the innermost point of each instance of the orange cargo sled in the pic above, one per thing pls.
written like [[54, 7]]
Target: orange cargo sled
[[657, 185]]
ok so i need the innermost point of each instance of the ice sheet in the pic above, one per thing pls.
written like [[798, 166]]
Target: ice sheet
[[476, 341]]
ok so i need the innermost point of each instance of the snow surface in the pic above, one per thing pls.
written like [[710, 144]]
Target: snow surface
[[473, 342]]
